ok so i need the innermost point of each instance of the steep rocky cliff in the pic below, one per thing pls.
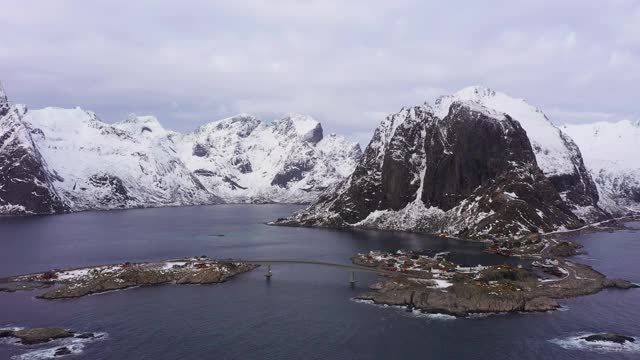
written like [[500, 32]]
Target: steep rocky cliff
[[26, 183], [471, 173], [556, 153]]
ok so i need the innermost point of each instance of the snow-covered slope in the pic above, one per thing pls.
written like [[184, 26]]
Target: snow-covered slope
[[242, 159], [83, 163], [612, 153], [26, 183], [100, 166], [556, 153]]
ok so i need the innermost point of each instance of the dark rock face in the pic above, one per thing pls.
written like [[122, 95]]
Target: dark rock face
[[200, 151], [203, 172], [579, 188], [234, 185], [471, 152], [242, 163], [294, 169], [27, 184], [4, 102], [400, 176], [475, 166], [608, 337], [61, 351], [315, 135], [116, 191], [383, 178]]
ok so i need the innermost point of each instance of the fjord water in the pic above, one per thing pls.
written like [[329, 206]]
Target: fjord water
[[304, 311]]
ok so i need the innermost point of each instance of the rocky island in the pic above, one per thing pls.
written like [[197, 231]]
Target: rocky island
[[65, 341], [433, 284], [73, 283]]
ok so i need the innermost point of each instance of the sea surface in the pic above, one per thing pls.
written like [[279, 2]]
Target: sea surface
[[304, 312]]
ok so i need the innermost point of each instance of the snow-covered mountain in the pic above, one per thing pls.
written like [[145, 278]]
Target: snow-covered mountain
[[611, 152], [101, 166], [556, 153], [56, 160], [26, 183], [245, 160], [470, 172]]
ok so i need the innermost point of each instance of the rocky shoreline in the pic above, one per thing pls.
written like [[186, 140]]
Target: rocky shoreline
[[65, 341], [73, 283], [437, 285]]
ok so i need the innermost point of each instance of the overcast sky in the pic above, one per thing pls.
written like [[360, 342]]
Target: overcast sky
[[346, 63]]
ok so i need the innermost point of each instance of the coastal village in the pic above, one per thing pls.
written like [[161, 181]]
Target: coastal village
[[435, 284], [416, 265]]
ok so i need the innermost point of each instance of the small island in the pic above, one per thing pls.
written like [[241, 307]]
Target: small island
[[73, 283], [433, 284]]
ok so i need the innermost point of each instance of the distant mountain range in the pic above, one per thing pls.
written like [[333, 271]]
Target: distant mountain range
[[478, 163], [58, 160]]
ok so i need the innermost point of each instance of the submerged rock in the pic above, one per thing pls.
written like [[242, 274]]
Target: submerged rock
[[62, 351], [609, 337]]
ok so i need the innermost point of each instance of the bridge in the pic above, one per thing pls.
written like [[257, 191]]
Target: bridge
[[352, 268]]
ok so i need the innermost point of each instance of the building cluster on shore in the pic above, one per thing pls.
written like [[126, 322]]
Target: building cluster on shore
[[415, 264]]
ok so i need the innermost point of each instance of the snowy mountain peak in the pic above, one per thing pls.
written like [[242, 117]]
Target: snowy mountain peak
[[476, 91], [241, 124], [147, 125], [477, 108], [551, 149], [556, 153], [608, 152], [300, 125], [4, 102]]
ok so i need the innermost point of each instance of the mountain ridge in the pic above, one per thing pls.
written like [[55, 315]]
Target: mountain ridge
[[137, 162]]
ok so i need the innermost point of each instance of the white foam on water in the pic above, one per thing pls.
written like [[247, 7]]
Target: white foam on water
[[75, 345], [10, 340], [413, 313], [578, 343], [12, 328]]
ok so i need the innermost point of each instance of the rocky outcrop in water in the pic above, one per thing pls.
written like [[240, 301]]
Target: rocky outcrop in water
[[609, 337], [81, 282], [37, 335]]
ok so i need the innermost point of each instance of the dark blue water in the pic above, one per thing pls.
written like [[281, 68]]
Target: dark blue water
[[304, 312]]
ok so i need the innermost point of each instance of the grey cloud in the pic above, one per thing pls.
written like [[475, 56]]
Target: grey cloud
[[345, 63]]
